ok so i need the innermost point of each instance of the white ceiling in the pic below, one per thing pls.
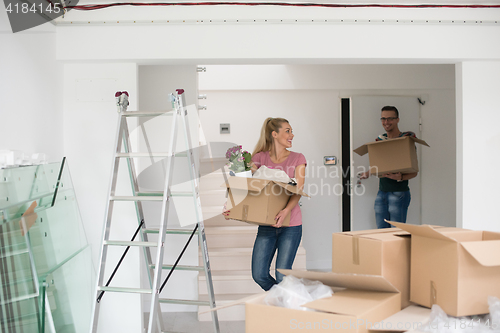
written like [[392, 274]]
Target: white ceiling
[[127, 14]]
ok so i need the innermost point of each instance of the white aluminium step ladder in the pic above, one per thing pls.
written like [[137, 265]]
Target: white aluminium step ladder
[[156, 267]]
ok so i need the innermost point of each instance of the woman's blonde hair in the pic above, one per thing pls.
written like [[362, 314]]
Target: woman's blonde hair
[[266, 141]]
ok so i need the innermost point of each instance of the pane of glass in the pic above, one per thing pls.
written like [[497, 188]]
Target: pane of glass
[[46, 271], [58, 232], [19, 187], [19, 291], [69, 290]]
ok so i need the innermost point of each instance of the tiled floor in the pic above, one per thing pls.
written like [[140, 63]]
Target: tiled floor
[[187, 322]]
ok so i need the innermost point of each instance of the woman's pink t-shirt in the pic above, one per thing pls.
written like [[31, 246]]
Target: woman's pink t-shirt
[[292, 161]]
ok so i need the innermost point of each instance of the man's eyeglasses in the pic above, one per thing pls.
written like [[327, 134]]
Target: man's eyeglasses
[[388, 118]]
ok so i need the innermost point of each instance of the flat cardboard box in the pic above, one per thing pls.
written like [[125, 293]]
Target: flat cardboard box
[[368, 300], [394, 155], [258, 201], [410, 318], [456, 269], [384, 252]]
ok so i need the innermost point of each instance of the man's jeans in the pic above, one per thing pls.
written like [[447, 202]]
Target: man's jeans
[[269, 239], [392, 206]]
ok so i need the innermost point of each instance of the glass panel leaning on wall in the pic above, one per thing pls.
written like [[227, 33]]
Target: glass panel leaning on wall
[[46, 270]]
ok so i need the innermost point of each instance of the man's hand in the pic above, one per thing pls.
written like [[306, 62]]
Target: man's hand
[[364, 175], [394, 176]]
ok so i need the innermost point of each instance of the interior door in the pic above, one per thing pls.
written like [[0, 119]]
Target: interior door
[[365, 126]]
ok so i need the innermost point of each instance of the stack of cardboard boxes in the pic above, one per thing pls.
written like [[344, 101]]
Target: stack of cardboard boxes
[[377, 273], [384, 271]]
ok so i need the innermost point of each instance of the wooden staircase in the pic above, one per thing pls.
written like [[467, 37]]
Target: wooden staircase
[[230, 245]]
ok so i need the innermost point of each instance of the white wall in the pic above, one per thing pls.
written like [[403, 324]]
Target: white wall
[[30, 91], [309, 97], [478, 143], [89, 131]]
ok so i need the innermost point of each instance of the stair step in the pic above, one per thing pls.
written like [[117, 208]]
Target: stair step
[[213, 197], [212, 216], [232, 313], [232, 230], [213, 180], [241, 258], [242, 235], [229, 282]]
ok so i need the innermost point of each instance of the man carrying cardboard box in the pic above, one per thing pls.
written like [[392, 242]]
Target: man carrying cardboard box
[[393, 197]]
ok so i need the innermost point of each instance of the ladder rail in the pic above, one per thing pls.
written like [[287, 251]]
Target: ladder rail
[[119, 262], [107, 223], [138, 204], [178, 259], [153, 313], [199, 215]]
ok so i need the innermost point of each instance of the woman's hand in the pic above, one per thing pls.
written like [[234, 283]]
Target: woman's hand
[[280, 218], [225, 212]]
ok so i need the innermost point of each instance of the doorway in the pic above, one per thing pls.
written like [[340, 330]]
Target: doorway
[[361, 124]]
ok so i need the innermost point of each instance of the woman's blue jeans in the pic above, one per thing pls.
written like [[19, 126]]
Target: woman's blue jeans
[[392, 206], [269, 239]]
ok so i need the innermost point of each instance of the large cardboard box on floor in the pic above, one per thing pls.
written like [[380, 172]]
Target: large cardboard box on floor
[[394, 155], [366, 301], [411, 318], [384, 252], [258, 201], [456, 269]]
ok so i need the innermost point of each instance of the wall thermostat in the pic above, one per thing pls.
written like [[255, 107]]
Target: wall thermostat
[[330, 160]]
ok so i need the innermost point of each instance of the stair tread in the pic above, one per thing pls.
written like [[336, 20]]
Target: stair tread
[[243, 229], [240, 250], [212, 191], [226, 298], [212, 208], [237, 273]]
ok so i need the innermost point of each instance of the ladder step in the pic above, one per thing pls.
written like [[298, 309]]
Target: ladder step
[[170, 231], [172, 194], [146, 113], [183, 301], [181, 267], [137, 198], [182, 194], [129, 243], [121, 155], [143, 154], [150, 196], [125, 290]]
